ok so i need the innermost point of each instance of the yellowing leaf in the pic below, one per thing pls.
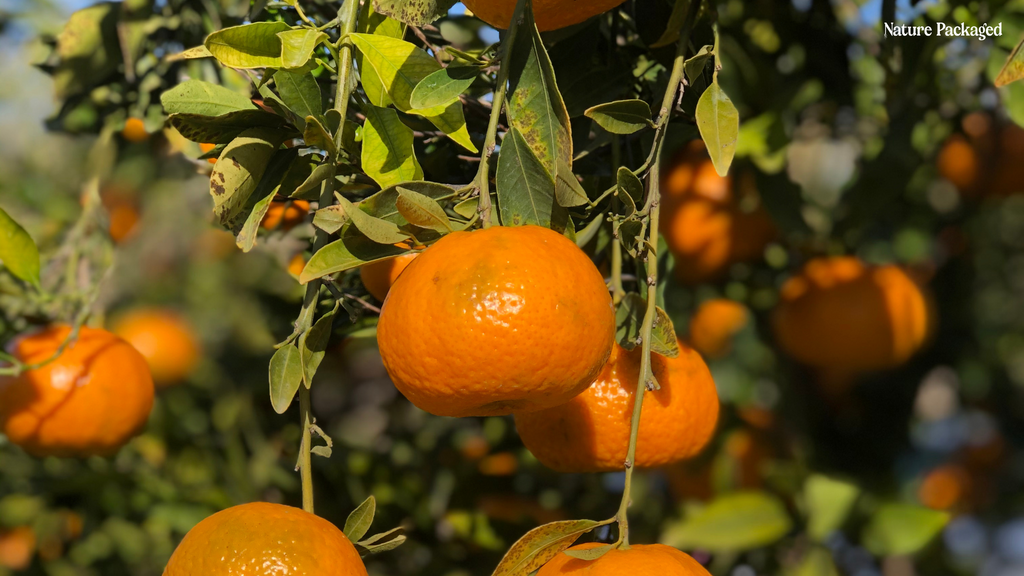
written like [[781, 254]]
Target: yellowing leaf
[[719, 124], [901, 529], [828, 503], [297, 46], [538, 546], [1013, 70], [255, 45], [732, 523], [18, 252], [400, 65]]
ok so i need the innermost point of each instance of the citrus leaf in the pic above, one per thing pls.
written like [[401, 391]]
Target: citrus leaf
[[568, 190], [828, 503], [538, 546], [381, 542], [351, 251], [255, 45], [675, 24], [190, 54], [629, 318], [452, 121], [622, 116], [321, 451], [590, 554], [269, 185], [388, 155], [400, 65], [384, 204], [414, 12], [526, 192], [467, 208], [18, 252], [297, 46], [203, 99], [300, 93], [694, 66], [629, 184], [285, 377], [443, 87], [330, 219], [246, 239], [817, 562], [732, 523], [902, 529], [663, 335], [358, 522], [316, 135], [631, 234], [377, 230], [313, 344], [535, 106], [1013, 70], [719, 124], [375, 23], [224, 128], [239, 169], [319, 174], [422, 211]]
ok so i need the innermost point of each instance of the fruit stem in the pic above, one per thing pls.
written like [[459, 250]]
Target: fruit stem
[[483, 175], [305, 460], [652, 208]]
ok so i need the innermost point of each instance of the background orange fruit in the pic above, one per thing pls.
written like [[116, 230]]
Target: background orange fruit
[[484, 323], [261, 539], [206, 148], [135, 130], [287, 215], [378, 277], [89, 401], [550, 14], [706, 224], [164, 338], [944, 487], [590, 433], [714, 324], [958, 162], [638, 560], [17, 547], [841, 313]]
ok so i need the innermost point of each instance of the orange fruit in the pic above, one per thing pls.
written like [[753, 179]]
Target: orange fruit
[[637, 560], [500, 464], [88, 401], [842, 314], [590, 433], [944, 487], [714, 324], [498, 320], [550, 14], [135, 130], [16, 548], [704, 222], [380, 275], [261, 539], [958, 162], [206, 148], [287, 215], [296, 265], [122, 212], [165, 340]]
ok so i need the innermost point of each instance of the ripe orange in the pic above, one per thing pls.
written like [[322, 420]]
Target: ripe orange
[[89, 401], [16, 548], [714, 324], [122, 212], [261, 539], [550, 14], [296, 265], [165, 339], [135, 130], [840, 313], [638, 560], [958, 162], [287, 215], [944, 487], [498, 320], [379, 276], [206, 148], [704, 222], [590, 433], [500, 464]]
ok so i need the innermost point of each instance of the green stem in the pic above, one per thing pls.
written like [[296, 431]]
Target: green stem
[[618, 293], [348, 15], [483, 175], [652, 208], [305, 459]]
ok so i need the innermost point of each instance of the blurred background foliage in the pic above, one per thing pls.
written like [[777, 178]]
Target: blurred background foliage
[[894, 150]]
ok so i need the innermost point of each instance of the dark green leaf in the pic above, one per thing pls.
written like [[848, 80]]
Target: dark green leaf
[[675, 24], [629, 184], [443, 87], [631, 234], [18, 251], [568, 190], [319, 174], [224, 128], [526, 192], [300, 93], [694, 66], [255, 45], [622, 116], [316, 135], [538, 546], [422, 211], [358, 522], [629, 318], [285, 377], [203, 99], [414, 12], [377, 230], [719, 124], [313, 344]]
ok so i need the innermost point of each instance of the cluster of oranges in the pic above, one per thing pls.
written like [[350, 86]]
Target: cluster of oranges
[[985, 159]]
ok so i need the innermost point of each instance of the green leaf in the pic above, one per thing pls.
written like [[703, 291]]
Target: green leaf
[[902, 529], [18, 251], [467, 208], [313, 344], [535, 106], [663, 335], [88, 48], [443, 87], [629, 184], [255, 45], [719, 124], [452, 121], [384, 204], [538, 546], [381, 542], [1013, 70], [694, 66], [622, 116], [568, 190], [269, 186], [330, 219], [374, 23], [675, 24], [358, 522], [388, 155], [203, 99], [246, 239], [590, 554], [190, 54], [414, 12], [285, 377], [828, 503], [817, 562], [377, 230], [300, 93], [422, 211], [732, 523], [631, 234], [297, 46], [351, 251], [316, 135], [400, 65], [224, 128], [319, 174], [526, 192], [239, 170], [629, 318]]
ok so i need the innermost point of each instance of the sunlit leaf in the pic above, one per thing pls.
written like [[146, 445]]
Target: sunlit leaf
[[400, 65], [239, 170], [732, 523], [443, 87], [538, 546], [351, 251], [18, 252], [381, 542], [203, 99], [590, 554], [285, 377], [902, 529], [190, 54], [297, 46], [719, 124], [414, 12], [380, 231], [1013, 70], [452, 121], [828, 503], [374, 23], [246, 239], [330, 219], [629, 318], [422, 211], [359, 521], [255, 45], [317, 135], [388, 153], [622, 116], [384, 204]]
